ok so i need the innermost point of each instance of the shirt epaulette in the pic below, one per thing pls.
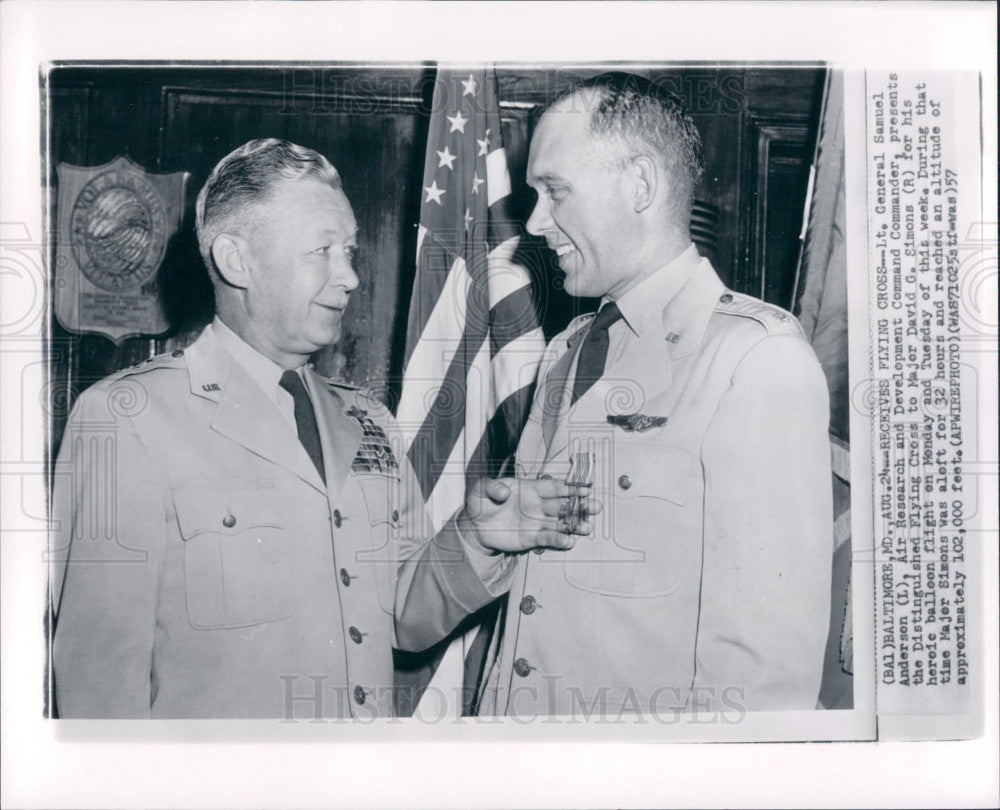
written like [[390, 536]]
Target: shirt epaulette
[[172, 359], [356, 395], [774, 319]]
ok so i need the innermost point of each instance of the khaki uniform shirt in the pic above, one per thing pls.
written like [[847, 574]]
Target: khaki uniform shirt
[[203, 569], [706, 584]]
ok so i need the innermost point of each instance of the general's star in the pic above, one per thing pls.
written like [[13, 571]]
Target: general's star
[[468, 219], [469, 86], [484, 144], [457, 122], [433, 192], [446, 158], [476, 182]]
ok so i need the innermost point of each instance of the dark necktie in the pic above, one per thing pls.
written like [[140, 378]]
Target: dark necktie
[[594, 352], [305, 418]]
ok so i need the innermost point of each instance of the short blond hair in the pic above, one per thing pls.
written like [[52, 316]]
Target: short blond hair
[[246, 176]]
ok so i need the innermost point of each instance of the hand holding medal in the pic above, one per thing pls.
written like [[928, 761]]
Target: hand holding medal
[[581, 474]]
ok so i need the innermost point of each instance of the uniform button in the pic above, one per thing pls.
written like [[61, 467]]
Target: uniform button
[[177, 353], [726, 298], [355, 635], [395, 516], [337, 518], [528, 605], [359, 695], [522, 667], [229, 520], [345, 577], [624, 482]]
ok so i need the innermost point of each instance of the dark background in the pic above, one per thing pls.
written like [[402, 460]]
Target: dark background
[[758, 127]]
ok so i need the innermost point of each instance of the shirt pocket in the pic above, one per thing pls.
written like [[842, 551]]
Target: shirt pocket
[[235, 572], [643, 544], [382, 510]]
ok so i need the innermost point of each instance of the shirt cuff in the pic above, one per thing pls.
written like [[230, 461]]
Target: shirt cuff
[[493, 570]]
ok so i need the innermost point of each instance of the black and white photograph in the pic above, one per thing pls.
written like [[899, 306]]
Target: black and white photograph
[[443, 400], [227, 548]]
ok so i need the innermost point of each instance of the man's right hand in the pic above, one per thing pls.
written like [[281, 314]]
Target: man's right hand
[[519, 514]]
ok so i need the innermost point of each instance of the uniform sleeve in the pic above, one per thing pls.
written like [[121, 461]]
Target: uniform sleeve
[[768, 534], [444, 581], [445, 578], [107, 550]]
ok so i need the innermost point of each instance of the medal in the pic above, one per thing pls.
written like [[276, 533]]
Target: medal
[[581, 473]]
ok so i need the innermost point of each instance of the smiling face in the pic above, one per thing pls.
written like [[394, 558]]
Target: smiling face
[[300, 273], [583, 207]]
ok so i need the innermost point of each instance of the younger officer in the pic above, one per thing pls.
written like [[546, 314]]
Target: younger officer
[[707, 585]]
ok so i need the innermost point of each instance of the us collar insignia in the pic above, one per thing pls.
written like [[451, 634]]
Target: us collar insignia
[[636, 422]]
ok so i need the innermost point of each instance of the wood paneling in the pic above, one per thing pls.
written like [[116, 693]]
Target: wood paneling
[[371, 123], [774, 188], [372, 152], [69, 119]]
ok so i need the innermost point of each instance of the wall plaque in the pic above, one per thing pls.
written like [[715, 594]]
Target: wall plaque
[[115, 222]]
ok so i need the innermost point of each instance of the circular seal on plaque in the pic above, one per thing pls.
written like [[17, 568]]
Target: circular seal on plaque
[[119, 227]]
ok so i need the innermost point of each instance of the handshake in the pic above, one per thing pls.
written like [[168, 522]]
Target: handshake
[[511, 515]]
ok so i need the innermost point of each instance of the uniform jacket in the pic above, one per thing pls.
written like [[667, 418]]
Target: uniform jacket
[[210, 571], [707, 581]]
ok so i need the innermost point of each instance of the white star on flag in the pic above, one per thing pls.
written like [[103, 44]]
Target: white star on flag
[[433, 192], [473, 341], [446, 158]]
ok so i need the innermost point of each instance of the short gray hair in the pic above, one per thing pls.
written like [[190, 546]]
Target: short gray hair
[[642, 114], [247, 175]]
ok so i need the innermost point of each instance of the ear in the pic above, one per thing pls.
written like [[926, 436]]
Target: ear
[[232, 254], [645, 179]]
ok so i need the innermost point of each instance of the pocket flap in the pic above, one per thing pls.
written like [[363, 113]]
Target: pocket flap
[[650, 469], [224, 506], [381, 498]]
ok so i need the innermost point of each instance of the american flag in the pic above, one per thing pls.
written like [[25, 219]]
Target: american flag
[[473, 340]]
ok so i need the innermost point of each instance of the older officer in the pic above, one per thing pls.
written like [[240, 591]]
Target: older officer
[[707, 583], [233, 524]]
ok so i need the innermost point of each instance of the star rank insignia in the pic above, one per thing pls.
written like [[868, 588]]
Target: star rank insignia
[[374, 455]]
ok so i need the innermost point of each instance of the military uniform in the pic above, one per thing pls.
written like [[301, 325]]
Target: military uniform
[[211, 572], [706, 583]]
